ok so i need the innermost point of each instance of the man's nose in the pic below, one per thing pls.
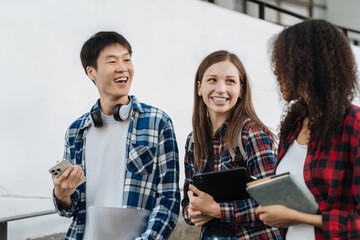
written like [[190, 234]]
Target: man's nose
[[120, 66]]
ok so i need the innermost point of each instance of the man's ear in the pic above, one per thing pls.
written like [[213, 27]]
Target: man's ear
[[91, 73]]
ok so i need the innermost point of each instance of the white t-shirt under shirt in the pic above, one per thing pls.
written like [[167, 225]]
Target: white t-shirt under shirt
[[293, 162], [105, 155]]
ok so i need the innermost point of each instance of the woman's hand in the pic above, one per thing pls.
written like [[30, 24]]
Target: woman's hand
[[197, 218], [276, 215], [279, 215], [203, 203]]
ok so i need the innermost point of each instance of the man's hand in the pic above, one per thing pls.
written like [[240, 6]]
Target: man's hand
[[66, 185]]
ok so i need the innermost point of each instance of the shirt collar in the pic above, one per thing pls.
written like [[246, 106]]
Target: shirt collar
[[221, 131], [294, 133], [298, 122], [135, 106]]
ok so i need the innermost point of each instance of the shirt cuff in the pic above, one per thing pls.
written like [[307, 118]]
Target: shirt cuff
[[227, 213], [62, 212]]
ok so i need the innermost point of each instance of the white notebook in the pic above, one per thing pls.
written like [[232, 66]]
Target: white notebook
[[116, 223]]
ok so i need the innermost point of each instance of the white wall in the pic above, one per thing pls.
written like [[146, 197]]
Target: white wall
[[44, 88]]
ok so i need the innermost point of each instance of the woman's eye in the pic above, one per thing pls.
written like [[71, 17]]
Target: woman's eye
[[212, 80], [230, 81]]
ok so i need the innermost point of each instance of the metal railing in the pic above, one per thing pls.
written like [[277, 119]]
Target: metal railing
[[310, 5], [4, 221], [262, 5]]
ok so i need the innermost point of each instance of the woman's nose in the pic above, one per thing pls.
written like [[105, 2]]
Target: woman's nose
[[220, 87]]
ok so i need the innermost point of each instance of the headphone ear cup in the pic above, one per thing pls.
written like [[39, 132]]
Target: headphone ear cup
[[96, 117], [121, 112], [116, 112]]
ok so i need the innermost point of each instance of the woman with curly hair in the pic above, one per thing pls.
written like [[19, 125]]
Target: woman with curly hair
[[320, 131], [223, 113]]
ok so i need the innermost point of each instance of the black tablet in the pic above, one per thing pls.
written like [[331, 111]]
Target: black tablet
[[225, 185]]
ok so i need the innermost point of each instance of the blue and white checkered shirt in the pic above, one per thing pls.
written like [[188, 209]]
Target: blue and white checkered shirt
[[151, 177]]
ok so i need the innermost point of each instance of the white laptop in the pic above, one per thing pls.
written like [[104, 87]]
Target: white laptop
[[116, 223]]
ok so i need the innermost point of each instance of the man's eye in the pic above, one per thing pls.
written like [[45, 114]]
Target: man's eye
[[111, 62], [127, 60]]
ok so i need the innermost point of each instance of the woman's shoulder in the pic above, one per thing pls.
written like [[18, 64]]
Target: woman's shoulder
[[252, 128], [354, 111], [189, 150], [189, 139], [253, 131], [190, 135], [352, 117]]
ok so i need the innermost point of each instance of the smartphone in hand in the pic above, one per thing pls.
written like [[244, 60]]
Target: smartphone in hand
[[60, 167]]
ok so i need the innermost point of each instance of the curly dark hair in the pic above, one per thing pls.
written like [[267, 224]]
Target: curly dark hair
[[315, 55]]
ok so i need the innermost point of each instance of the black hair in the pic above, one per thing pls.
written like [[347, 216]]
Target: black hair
[[91, 49]]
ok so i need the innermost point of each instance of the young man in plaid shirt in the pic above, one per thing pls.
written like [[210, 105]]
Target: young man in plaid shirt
[[126, 149]]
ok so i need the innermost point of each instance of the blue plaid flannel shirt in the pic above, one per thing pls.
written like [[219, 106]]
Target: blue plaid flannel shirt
[[151, 177]]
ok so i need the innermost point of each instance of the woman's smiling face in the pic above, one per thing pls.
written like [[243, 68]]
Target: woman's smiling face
[[220, 88]]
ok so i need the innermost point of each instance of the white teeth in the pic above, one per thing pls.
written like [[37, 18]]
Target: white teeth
[[122, 79], [219, 99]]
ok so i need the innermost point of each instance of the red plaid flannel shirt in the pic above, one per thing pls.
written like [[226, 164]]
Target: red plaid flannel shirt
[[261, 161], [334, 178]]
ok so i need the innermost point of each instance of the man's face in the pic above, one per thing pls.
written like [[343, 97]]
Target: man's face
[[114, 73]]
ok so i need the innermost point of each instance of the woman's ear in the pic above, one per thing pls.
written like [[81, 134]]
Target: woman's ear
[[199, 88], [242, 85]]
